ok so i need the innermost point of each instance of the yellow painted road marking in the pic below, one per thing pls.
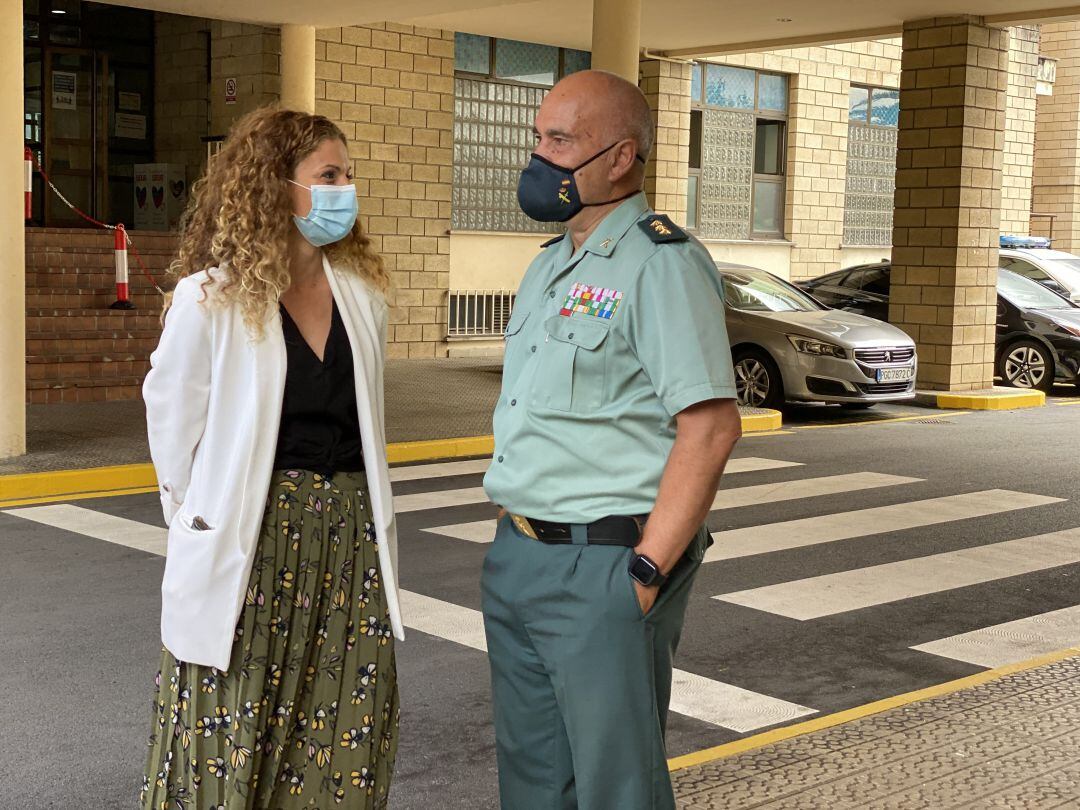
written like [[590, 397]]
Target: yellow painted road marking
[[857, 713], [1066, 402], [80, 496], [886, 421]]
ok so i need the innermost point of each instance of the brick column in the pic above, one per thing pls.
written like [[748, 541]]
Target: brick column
[[391, 88], [251, 54], [1056, 178], [817, 172], [1019, 130], [948, 197], [181, 94], [666, 86], [13, 269]]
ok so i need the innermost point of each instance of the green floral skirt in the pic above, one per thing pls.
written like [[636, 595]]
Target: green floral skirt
[[307, 714]]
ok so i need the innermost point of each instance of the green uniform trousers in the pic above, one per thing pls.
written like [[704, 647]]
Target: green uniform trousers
[[580, 679]]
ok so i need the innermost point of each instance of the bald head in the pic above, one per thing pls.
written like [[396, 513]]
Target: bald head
[[609, 106]]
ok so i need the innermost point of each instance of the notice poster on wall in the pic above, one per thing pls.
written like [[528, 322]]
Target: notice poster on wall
[[129, 101], [230, 91], [129, 125], [63, 90]]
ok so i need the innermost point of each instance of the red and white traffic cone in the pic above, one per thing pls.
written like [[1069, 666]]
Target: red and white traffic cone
[[28, 185], [123, 297]]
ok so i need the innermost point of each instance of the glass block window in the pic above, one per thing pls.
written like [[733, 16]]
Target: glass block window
[[729, 87], [472, 53], [497, 93], [526, 62], [738, 146], [727, 173], [871, 180], [493, 139], [573, 61], [879, 106]]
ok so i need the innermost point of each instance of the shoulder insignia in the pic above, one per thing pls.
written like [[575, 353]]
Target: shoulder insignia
[[661, 229], [551, 242]]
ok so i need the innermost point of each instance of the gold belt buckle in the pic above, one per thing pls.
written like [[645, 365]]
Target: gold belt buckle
[[523, 526]]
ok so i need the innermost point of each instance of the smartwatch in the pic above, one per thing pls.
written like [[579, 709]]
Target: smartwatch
[[646, 571]]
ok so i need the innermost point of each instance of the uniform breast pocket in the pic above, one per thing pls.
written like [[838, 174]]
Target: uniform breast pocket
[[571, 374]]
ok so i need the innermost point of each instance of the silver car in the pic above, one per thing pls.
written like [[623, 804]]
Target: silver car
[[788, 347]]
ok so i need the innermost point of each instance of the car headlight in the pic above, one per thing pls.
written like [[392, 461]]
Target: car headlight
[[819, 347], [1071, 328]]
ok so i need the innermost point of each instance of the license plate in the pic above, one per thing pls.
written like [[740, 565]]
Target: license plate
[[885, 375]]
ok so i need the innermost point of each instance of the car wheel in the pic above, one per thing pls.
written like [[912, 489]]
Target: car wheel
[[1027, 364], [757, 380]]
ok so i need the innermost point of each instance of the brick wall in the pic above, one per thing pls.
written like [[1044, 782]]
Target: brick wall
[[251, 54], [948, 197], [818, 138], [1056, 176], [666, 86], [181, 92], [391, 88], [1019, 155]]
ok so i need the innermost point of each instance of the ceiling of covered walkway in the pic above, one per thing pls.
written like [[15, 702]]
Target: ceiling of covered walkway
[[678, 27]]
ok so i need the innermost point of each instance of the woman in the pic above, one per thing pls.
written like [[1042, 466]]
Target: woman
[[264, 408]]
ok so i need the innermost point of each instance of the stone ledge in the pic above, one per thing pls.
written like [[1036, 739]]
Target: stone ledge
[[990, 399]]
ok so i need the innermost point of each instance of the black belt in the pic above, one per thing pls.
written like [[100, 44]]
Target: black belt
[[615, 530]]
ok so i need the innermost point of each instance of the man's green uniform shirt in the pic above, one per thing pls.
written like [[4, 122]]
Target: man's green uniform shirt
[[603, 349]]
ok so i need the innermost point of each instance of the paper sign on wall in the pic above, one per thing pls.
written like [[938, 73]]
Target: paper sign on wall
[[230, 91], [63, 90], [129, 101], [129, 125]]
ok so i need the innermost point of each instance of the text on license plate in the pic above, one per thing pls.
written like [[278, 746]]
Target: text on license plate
[[885, 375]]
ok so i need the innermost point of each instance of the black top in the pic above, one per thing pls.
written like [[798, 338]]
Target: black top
[[320, 427]]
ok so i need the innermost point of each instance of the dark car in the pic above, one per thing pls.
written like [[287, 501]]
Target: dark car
[[1038, 331]]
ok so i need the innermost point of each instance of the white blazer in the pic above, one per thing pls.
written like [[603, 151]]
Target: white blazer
[[213, 407]]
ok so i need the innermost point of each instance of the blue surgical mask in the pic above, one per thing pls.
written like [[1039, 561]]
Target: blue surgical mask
[[332, 216]]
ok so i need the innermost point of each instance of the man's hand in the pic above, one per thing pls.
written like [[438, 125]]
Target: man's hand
[[646, 596]]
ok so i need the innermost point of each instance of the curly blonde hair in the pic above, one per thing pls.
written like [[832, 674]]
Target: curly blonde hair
[[240, 215]]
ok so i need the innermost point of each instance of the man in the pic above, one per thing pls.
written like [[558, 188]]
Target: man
[[616, 418]]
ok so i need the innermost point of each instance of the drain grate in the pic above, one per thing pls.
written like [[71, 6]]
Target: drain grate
[[933, 422]]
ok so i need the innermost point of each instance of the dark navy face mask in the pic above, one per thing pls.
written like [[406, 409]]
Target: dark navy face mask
[[547, 192]]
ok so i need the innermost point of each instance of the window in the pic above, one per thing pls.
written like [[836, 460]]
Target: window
[[873, 115], [738, 143], [498, 87], [1023, 268]]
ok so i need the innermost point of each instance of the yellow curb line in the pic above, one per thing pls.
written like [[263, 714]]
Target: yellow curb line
[[991, 402], [867, 422], [129, 479], [80, 496], [859, 712], [1067, 403], [402, 452], [762, 422]]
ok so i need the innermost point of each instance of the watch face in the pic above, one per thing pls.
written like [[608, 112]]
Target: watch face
[[643, 570]]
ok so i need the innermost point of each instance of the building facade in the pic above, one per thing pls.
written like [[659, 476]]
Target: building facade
[[784, 160]]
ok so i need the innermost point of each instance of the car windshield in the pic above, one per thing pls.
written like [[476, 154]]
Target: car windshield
[[759, 292], [1027, 294], [1066, 271]]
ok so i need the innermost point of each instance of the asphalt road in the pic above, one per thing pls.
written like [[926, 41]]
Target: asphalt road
[[910, 534]]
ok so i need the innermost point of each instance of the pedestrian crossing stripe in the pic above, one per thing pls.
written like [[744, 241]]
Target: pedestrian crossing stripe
[[1011, 642], [704, 698], [830, 594], [695, 696]]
